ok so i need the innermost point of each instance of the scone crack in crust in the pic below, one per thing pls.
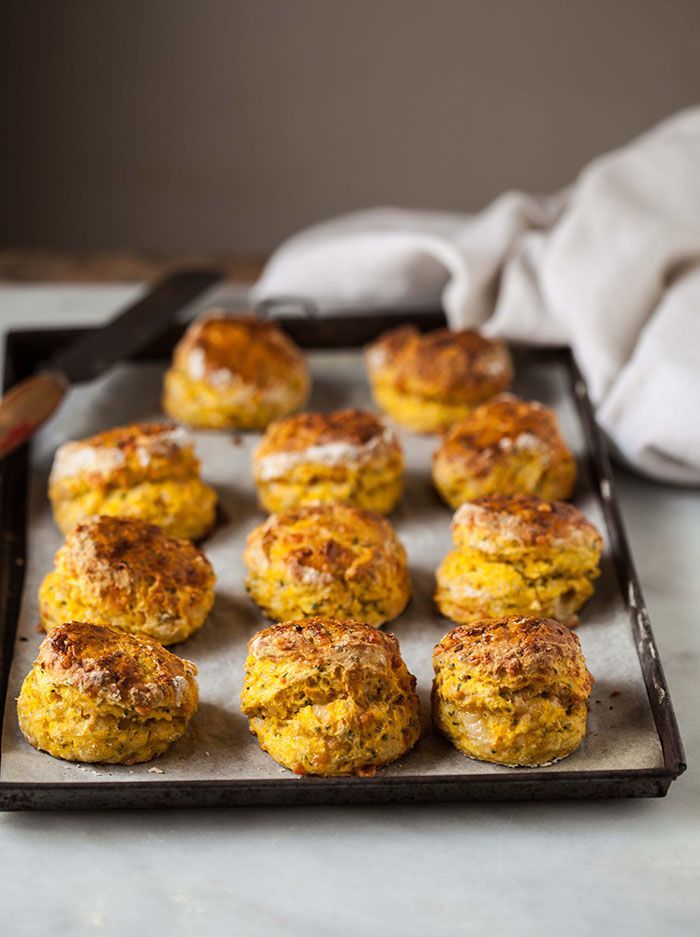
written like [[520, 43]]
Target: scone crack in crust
[[440, 365], [130, 670], [329, 697], [344, 437]]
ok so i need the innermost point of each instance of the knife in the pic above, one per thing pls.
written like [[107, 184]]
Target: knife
[[27, 405]]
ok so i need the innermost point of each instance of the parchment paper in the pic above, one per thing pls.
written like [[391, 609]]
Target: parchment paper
[[218, 745]]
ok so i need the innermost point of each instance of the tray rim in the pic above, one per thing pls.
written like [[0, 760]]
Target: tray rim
[[26, 348]]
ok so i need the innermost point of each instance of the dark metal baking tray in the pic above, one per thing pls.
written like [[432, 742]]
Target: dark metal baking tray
[[25, 349]]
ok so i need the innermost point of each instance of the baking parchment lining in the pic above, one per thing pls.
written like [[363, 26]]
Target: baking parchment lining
[[218, 746]]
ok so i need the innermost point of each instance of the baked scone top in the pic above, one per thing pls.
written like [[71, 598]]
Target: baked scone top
[[338, 438], [221, 349], [127, 455], [324, 640], [121, 554], [440, 364], [499, 427], [522, 520], [324, 542], [130, 670], [517, 647]]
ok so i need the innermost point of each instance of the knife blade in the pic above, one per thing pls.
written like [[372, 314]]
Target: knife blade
[[27, 405]]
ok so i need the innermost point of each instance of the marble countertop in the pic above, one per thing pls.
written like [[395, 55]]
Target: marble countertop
[[578, 868]]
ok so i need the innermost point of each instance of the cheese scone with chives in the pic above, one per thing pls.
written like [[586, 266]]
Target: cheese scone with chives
[[330, 697], [348, 455], [513, 691], [330, 561], [129, 575], [145, 470], [505, 446], [427, 381], [518, 555], [96, 694], [235, 372]]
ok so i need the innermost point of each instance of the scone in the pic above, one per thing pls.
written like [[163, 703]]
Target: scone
[[348, 455], [97, 694], [505, 446], [329, 697], [235, 371], [518, 555], [128, 574], [426, 382], [513, 691], [147, 470], [330, 561]]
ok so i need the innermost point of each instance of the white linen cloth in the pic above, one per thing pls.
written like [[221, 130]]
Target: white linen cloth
[[611, 266]]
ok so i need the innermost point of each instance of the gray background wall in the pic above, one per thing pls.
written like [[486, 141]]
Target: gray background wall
[[210, 124]]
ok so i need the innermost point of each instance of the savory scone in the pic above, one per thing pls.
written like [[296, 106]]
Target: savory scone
[[97, 694], [330, 561], [128, 574], [513, 691], [518, 555], [505, 446], [146, 470], [428, 381], [235, 371], [329, 697], [348, 455]]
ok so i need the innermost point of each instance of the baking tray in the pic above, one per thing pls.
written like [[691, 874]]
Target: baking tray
[[633, 748]]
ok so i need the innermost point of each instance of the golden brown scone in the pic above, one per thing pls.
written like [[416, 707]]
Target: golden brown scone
[[428, 381], [505, 446], [513, 691], [128, 574], [329, 697], [235, 371], [327, 560], [518, 555], [97, 694], [348, 455], [146, 470]]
